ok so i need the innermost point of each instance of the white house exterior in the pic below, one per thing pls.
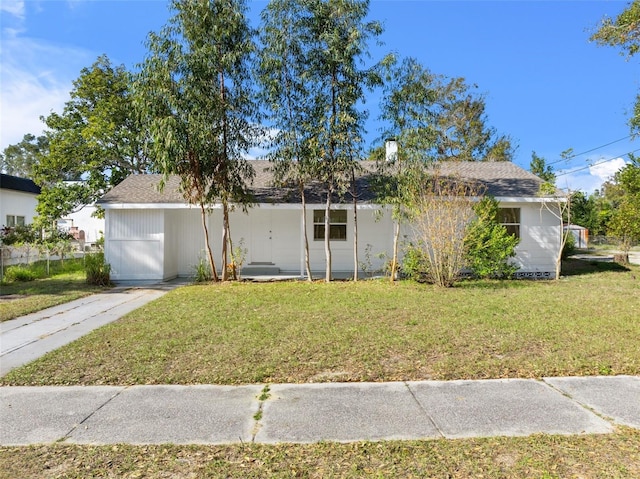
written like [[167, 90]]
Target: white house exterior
[[18, 200], [152, 235], [83, 225]]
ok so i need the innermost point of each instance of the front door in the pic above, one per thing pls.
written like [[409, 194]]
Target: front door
[[261, 237]]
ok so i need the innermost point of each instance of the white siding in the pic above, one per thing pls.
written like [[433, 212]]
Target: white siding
[[372, 230], [539, 239], [17, 203], [148, 244], [184, 242], [134, 244]]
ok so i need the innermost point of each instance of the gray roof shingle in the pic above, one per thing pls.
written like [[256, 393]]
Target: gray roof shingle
[[499, 179]]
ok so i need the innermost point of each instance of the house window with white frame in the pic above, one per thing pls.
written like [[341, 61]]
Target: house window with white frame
[[14, 220], [510, 219], [337, 227]]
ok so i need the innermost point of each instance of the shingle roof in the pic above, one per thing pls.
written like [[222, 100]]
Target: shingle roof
[[499, 179], [8, 182]]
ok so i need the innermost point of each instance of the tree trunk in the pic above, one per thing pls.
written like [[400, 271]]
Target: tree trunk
[[225, 239], [234, 267], [212, 264], [307, 260], [394, 260], [355, 227], [327, 242]]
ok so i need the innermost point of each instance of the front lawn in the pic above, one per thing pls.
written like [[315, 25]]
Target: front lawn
[[237, 333], [65, 283]]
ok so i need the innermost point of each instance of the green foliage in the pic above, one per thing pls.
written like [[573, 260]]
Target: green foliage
[[313, 86], [623, 32], [569, 246], [41, 269], [18, 235], [488, 245], [98, 271], [19, 273], [415, 264], [590, 212], [436, 118], [58, 200], [201, 271], [97, 138], [195, 95], [20, 159], [539, 167], [623, 191]]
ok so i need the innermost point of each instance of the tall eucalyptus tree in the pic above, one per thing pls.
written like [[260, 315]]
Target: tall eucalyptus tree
[[314, 81], [195, 93], [338, 35], [283, 78]]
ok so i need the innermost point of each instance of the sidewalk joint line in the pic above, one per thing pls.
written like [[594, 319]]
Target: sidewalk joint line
[[92, 413], [426, 413], [264, 396], [580, 403]]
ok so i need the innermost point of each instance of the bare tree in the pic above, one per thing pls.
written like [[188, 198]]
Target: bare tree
[[558, 203], [441, 211]]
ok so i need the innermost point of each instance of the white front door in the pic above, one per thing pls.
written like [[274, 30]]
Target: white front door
[[261, 237]]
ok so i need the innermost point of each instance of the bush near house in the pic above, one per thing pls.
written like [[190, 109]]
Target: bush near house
[[97, 269]]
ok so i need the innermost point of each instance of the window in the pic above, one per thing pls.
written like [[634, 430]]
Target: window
[[13, 220], [510, 219], [337, 228]]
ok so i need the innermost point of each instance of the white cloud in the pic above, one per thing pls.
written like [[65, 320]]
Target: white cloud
[[13, 7], [36, 80], [589, 179], [606, 170]]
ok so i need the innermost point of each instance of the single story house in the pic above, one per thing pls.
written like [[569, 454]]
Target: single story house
[[153, 235], [18, 200]]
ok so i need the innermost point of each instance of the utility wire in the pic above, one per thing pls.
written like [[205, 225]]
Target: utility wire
[[588, 151], [596, 163]]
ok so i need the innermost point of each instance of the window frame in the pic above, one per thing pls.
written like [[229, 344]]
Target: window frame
[[15, 220], [338, 229], [510, 218]]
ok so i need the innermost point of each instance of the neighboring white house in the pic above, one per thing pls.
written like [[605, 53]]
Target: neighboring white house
[[83, 225], [18, 200], [152, 235]]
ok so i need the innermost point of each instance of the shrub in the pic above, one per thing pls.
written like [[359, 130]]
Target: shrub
[[415, 265], [489, 246], [202, 272], [19, 273], [569, 245], [98, 271]]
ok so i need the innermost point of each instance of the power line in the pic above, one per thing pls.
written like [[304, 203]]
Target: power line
[[588, 151], [596, 163]]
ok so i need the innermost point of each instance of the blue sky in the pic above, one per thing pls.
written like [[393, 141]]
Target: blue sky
[[546, 85]]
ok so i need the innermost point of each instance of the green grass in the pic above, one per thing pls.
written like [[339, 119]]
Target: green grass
[[238, 333], [609, 456], [65, 283]]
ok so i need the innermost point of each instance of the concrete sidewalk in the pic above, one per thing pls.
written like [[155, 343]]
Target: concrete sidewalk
[[303, 413]]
